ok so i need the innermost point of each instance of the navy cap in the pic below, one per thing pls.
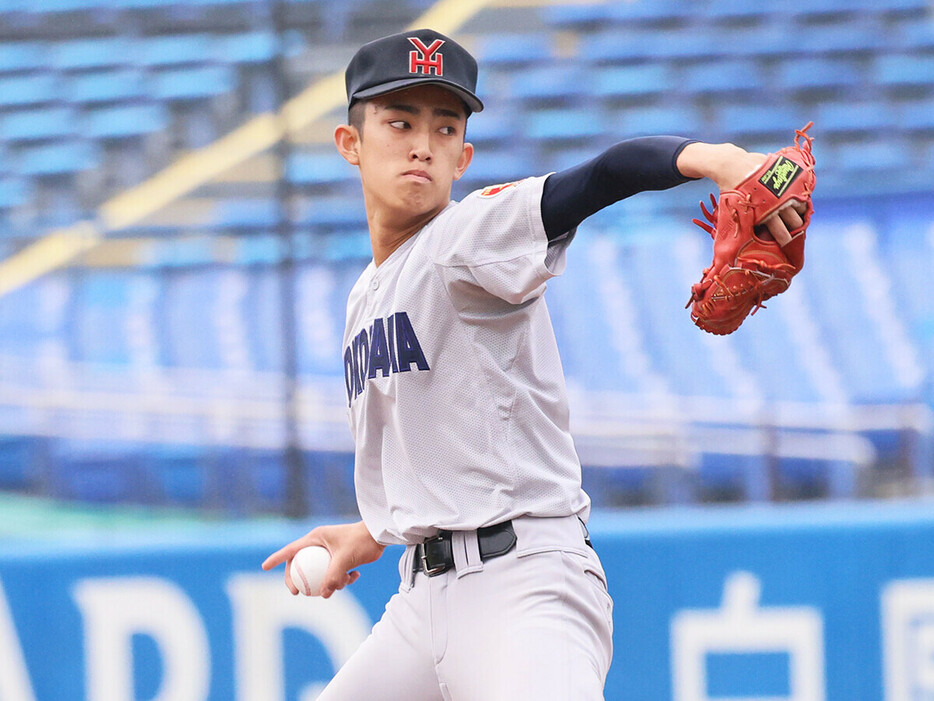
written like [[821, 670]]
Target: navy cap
[[417, 57]]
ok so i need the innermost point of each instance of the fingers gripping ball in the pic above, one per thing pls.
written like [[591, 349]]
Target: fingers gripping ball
[[308, 569], [749, 266]]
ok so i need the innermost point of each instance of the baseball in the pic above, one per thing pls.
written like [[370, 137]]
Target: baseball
[[308, 568]]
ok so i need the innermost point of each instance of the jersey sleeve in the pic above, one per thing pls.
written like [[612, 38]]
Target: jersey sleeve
[[498, 235]]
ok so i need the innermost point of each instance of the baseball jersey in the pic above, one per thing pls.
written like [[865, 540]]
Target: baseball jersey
[[455, 389]]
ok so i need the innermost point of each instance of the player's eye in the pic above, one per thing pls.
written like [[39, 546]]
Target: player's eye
[[449, 131], [399, 124]]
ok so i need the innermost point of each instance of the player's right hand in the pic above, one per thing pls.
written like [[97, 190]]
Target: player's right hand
[[350, 545]]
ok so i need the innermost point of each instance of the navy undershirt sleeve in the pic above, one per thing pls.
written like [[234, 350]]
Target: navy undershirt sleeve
[[627, 168]]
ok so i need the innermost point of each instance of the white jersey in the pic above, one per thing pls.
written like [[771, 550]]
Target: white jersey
[[456, 394]]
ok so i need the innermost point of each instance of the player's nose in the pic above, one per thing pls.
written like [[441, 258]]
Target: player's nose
[[421, 147]]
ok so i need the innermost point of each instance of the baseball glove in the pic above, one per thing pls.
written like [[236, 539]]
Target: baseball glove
[[749, 266]]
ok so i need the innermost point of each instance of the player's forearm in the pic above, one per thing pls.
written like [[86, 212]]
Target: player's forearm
[[726, 164], [626, 168]]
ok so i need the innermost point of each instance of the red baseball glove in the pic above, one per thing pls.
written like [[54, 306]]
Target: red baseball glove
[[749, 266]]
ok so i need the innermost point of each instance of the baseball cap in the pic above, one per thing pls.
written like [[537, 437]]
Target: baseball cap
[[417, 57]]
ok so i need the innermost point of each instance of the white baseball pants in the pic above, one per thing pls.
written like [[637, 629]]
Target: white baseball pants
[[534, 624]]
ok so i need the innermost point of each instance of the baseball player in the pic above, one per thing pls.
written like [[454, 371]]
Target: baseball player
[[456, 397]]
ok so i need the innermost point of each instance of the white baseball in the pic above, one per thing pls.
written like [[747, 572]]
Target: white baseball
[[308, 568]]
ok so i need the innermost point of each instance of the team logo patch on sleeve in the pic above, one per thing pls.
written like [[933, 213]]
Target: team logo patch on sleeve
[[494, 190], [780, 176]]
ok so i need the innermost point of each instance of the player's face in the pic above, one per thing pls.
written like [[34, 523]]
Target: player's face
[[411, 150]]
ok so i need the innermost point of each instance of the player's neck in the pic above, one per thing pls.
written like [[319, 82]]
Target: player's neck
[[388, 232]]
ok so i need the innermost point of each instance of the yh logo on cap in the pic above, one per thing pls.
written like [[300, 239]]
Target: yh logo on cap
[[426, 59], [411, 58]]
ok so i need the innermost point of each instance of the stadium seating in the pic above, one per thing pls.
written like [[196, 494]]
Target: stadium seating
[[136, 84]]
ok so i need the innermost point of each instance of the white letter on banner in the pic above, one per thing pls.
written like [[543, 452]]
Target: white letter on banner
[[116, 609], [14, 679], [740, 625], [908, 639], [263, 608]]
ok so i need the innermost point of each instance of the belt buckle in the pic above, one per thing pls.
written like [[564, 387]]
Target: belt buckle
[[423, 559]]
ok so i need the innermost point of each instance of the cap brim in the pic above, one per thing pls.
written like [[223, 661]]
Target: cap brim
[[472, 101]]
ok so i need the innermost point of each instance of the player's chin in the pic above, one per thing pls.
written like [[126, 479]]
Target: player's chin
[[419, 203]]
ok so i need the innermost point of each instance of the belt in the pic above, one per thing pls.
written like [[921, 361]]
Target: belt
[[435, 555]]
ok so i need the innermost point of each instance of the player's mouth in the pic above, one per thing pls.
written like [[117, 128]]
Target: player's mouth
[[419, 175]]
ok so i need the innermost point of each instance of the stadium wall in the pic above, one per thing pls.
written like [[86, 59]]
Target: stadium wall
[[831, 601]]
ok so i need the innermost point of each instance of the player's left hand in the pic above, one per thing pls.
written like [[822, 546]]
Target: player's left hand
[[758, 226], [737, 168]]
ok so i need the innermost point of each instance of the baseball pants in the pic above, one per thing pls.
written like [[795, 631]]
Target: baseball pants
[[535, 623]]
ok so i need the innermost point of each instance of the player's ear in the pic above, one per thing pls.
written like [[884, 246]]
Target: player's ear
[[347, 140], [464, 160]]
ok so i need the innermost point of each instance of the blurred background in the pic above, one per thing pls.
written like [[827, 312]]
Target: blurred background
[[178, 238]]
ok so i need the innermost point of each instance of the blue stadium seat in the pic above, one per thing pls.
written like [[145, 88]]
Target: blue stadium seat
[[55, 6], [810, 73], [16, 57], [834, 7], [38, 124], [725, 76], [917, 115], [629, 81], [768, 40], [14, 191], [738, 9], [674, 344], [849, 332], [844, 37], [189, 295], [249, 213], [259, 249], [548, 83], [614, 46], [886, 154], [263, 305], [564, 124], [576, 15], [58, 158], [252, 47], [513, 49], [319, 169], [121, 85], [33, 89], [333, 211], [193, 83], [99, 326], [586, 332], [177, 49], [909, 6], [778, 372], [492, 167], [648, 11], [850, 116], [685, 44], [760, 119], [904, 70], [100, 52], [495, 125], [678, 120], [911, 34], [125, 121]]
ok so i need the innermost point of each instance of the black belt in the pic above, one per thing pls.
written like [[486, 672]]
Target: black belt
[[435, 555]]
